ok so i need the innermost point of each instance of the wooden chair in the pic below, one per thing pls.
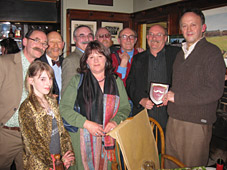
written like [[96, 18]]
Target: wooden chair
[[157, 129]]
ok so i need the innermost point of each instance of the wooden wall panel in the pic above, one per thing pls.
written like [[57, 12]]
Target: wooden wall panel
[[98, 16]]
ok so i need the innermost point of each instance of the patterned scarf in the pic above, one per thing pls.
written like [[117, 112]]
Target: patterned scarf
[[98, 107]]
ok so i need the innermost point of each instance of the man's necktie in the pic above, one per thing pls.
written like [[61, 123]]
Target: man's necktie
[[56, 62]]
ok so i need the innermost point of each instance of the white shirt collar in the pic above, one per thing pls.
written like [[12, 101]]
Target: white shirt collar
[[188, 51], [49, 60]]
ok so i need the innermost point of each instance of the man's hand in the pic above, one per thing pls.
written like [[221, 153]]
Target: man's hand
[[146, 103], [168, 97], [124, 59]]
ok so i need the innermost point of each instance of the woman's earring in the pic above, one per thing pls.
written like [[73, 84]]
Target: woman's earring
[[88, 66]]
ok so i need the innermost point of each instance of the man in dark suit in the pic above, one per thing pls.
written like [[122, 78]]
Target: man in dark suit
[[54, 59], [13, 69], [153, 65]]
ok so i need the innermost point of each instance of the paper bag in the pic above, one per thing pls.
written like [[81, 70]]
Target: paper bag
[[136, 140]]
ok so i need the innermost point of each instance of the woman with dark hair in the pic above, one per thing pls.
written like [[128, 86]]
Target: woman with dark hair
[[42, 129], [9, 46], [94, 102]]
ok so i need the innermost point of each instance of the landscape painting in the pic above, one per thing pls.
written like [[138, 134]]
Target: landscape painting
[[216, 33]]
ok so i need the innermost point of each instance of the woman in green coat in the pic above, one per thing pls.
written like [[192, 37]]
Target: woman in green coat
[[94, 102]]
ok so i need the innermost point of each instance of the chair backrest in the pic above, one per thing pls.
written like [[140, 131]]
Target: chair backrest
[[158, 131]]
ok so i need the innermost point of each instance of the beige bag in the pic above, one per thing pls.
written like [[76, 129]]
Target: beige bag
[[136, 140]]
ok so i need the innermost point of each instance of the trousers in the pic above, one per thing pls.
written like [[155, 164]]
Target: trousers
[[11, 149], [188, 142]]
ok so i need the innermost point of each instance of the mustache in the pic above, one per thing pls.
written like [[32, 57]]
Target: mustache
[[156, 41], [159, 91], [38, 49], [85, 42]]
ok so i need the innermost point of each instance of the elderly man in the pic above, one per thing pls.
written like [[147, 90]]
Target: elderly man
[[103, 35], [13, 68], [82, 35], [122, 60], [54, 59], [198, 83], [153, 65]]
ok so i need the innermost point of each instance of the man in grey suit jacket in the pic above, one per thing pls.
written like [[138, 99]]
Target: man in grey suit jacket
[[13, 68], [82, 35]]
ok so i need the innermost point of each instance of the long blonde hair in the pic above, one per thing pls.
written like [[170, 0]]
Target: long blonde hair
[[35, 68]]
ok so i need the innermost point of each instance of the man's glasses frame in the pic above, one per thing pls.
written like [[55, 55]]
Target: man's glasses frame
[[158, 35], [104, 35], [38, 41], [125, 37]]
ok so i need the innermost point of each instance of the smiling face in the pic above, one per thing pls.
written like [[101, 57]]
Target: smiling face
[[104, 37], [83, 37], [192, 27], [96, 62], [35, 45], [41, 83], [55, 45], [156, 38]]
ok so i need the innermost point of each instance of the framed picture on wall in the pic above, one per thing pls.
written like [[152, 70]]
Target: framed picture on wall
[[76, 23], [114, 28]]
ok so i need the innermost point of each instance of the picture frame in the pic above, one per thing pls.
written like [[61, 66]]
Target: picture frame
[[114, 29], [76, 23], [176, 40]]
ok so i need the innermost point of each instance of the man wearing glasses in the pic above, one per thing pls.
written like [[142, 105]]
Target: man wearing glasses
[[82, 35], [122, 60], [153, 65], [103, 35], [13, 68]]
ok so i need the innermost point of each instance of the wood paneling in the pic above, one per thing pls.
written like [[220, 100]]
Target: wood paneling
[[98, 16]]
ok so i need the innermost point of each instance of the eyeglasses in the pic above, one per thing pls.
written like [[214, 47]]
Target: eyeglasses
[[104, 35], [158, 35], [89, 36], [38, 41], [125, 37]]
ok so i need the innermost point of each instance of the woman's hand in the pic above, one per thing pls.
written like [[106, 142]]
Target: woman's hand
[[110, 126], [68, 159], [94, 128]]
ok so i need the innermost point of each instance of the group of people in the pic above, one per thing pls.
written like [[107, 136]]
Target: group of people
[[51, 105]]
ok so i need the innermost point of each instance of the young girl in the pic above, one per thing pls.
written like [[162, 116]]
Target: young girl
[[41, 126]]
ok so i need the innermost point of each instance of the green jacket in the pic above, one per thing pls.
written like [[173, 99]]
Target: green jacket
[[76, 119]]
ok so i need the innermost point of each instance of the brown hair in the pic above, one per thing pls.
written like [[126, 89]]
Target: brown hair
[[100, 48], [35, 68]]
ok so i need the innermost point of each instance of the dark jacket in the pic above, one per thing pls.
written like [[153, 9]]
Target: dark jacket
[[137, 84]]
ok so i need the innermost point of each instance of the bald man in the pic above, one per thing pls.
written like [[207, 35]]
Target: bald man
[[54, 59]]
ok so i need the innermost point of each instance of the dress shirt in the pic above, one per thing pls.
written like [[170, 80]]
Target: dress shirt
[[57, 73]]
